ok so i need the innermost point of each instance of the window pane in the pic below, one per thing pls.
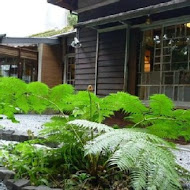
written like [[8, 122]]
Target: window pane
[[187, 94], [166, 62]]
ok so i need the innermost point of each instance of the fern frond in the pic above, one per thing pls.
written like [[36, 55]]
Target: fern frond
[[38, 94], [59, 96], [146, 157], [111, 140], [91, 126], [149, 164], [127, 102], [160, 104]]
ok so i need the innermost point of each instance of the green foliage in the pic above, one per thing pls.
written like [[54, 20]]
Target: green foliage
[[53, 32], [40, 164], [37, 96], [12, 97], [72, 19], [145, 157], [110, 154], [160, 118], [163, 120]]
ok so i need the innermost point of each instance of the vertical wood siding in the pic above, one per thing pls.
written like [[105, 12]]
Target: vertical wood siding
[[134, 52], [85, 59], [111, 60]]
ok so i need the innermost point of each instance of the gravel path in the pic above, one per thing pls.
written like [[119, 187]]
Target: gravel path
[[183, 156], [27, 122]]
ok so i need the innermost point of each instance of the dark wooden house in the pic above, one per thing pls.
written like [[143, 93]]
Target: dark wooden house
[[138, 46]]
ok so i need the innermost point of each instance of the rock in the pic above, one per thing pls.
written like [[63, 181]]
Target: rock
[[6, 174], [3, 168], [186, 186], [15, 137], [23, 138], [7, 135], [20, 183], [29, 188], [1, 133], [2, 186], [9, 184], [43, 187]]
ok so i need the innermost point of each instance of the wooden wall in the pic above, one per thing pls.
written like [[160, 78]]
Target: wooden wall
[[51, 65], [134, 53], [111, 60], [85, 59]]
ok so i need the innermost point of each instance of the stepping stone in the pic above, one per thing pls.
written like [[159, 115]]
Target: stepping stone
[[2, 186], [7, 135], [43, 187], [9, 184], [29, 188], [6, 174], [20, 183]]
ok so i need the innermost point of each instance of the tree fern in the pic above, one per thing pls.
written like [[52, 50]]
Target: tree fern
[[38, 96], [146, 157], [91, 126], [59, 95], [160, 104]]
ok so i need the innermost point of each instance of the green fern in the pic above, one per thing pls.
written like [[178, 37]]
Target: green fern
[[60, 95], [92, 126], [146, 157], [161, 105]]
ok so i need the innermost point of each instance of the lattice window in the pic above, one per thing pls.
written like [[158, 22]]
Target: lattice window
[[165, 63], [70, 70]]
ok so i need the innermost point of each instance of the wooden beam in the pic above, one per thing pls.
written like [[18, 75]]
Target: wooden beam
[[114, 28], [96, 5], [153, 9], [164, 22], [127, 40], [96, 63], [18, 40]]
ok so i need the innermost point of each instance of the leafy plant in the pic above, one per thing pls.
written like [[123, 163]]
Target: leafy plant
[[111, 155], [38, 163], [146, 158]]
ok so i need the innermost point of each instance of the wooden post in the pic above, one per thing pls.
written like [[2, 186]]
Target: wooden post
[[40, 62], [126, 58], [96, 63]]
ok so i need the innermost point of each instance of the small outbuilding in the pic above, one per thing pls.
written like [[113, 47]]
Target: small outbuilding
[[38, 58]]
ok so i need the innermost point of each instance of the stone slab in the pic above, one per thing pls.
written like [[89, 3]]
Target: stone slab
[[9, 184], [6, 174], [20, 183], [43, 187], [29, 188]]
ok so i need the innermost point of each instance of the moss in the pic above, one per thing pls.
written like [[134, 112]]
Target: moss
[[53, 32]]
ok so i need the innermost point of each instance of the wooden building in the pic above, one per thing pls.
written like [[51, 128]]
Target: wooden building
[[138, 46], [35, 59]]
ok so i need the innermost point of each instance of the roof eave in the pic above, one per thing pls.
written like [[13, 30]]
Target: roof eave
[[62, 3], [153, 9]]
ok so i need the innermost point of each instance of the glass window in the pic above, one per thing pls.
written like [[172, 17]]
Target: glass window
[[13, 67], [29, 71], [70, 72], [165, 62]]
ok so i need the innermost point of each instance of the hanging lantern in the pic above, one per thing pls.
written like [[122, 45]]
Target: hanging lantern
[[188, 24]]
